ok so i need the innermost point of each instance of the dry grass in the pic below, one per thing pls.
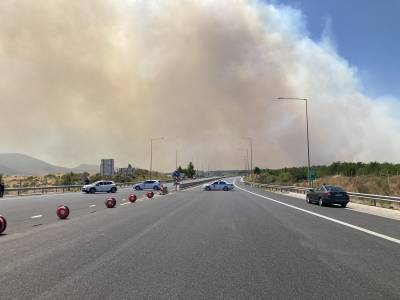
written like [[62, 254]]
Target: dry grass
[[380, 185]]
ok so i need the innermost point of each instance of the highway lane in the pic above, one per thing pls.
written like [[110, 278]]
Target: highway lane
[[201, 245], [19, 212], [25, 212]]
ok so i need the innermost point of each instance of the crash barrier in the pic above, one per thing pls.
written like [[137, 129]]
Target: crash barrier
[[62, 212], [16, 191], [150, 195], [392, 202], [3, 224], [185, 185], [132, 198], [111, 202]]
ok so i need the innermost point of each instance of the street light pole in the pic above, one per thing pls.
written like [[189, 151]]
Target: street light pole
[[308, 137], [246, 166], [176, 160], [251, 152], [151, 152]]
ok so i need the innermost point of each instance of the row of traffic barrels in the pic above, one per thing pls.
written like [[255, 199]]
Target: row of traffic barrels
[[62, 211]]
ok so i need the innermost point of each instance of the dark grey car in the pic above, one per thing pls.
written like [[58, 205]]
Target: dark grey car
[[328, 194]]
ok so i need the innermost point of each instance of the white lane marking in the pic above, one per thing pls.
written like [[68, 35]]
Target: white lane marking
[[93, 205], [125, 203], [36, 217], [382, 236]]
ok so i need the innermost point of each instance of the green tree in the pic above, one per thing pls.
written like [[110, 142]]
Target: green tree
[[190, 172], [257, 171]]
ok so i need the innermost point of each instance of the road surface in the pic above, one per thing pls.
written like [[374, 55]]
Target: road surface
[[202, 245]]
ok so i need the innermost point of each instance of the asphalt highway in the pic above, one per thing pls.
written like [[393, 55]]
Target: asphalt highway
[[194, 244]]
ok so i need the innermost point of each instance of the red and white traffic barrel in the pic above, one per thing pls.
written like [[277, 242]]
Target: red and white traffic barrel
[[132, 198], [111, 202], [150, 195], [3, 224], [62, 212]]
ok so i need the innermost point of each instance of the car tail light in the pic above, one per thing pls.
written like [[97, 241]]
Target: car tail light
[[327, 194]]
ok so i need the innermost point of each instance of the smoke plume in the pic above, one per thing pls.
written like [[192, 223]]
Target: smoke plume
[[85, 80]]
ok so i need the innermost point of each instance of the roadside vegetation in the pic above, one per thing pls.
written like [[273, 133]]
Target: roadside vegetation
[[77, 178], [371, 178]]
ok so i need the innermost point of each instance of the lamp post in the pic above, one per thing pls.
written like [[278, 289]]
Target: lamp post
[[251, 152], [151, 152], [176, 160], [308, 138], [246, 167]]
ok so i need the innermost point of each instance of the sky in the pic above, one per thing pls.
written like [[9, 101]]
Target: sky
[[365, 32], [86, 80]]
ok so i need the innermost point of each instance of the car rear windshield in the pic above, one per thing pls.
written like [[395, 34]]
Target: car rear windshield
[[331, 188]]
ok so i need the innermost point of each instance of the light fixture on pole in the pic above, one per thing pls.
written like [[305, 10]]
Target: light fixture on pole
[[308, 138]]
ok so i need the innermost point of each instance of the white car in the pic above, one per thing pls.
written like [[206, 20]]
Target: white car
[[219, 185], [100, 186], [148, 185]]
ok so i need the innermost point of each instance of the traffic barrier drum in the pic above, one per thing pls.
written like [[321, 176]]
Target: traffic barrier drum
[[132, 198], [62, 212], [150, 195], [111, 202], [3, 224]]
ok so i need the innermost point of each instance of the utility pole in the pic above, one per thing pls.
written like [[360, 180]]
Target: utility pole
[[251, 152], [308, 138]]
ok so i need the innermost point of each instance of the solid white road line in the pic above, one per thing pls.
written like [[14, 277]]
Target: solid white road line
[[36, 217], [376, 234], [93, 205]]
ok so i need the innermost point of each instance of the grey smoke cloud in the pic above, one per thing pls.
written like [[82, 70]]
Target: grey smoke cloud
[[84, 80]]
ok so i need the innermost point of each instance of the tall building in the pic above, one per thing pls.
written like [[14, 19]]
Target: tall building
[[107, 167]]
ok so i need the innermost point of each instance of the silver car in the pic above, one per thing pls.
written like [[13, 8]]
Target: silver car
[[100, 186], [219, 185], [148, 185]]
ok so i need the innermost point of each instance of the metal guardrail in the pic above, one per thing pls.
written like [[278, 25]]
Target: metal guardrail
[[185, 185], [17, 191], [301, 190], [52, 188]]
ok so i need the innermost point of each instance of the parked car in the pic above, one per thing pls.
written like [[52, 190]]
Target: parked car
[[219, 185], [148, 185], [100, 186], [328, 194]]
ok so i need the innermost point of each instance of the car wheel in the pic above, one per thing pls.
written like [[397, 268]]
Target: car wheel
[[208, 188], [308, 200], [137, 188], [344, 205], [113, 190], [226, 188], [321, 202], [92, 190], [156, 188]]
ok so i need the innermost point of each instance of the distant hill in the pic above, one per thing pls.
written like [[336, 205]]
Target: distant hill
[[86, 168], [21, 164], [7, 171]]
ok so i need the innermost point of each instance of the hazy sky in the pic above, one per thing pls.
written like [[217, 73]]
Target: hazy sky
[[85, 80]]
